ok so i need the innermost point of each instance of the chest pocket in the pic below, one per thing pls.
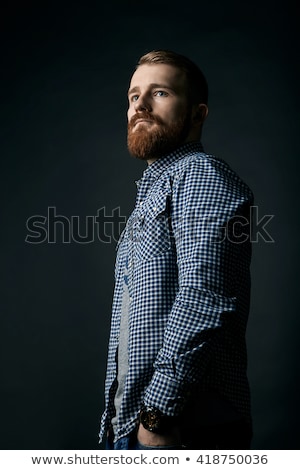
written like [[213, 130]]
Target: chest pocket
[[151, 234]]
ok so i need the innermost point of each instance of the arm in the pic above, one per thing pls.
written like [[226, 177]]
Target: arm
[[204, 201]]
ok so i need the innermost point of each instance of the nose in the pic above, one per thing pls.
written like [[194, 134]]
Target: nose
[[142, 104]]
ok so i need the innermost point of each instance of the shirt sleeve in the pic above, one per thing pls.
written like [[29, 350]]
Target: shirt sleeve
[[210, 228]]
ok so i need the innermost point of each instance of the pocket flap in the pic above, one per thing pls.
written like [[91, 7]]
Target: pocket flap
[[158, 204]]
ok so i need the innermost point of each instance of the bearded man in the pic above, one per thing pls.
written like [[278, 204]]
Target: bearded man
[[177, 360]]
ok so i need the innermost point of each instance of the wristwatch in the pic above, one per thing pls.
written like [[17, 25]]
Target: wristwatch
[[154, 420]]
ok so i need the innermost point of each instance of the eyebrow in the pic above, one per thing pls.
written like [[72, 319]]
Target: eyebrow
[[152, 85]]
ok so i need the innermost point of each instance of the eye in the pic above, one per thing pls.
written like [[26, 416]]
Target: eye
[[134, 97], [160, 93]]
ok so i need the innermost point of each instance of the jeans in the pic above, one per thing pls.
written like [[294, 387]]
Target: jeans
[[131, 443], [236, 435]]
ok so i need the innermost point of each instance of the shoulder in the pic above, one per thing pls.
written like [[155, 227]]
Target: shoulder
[[202, 170]]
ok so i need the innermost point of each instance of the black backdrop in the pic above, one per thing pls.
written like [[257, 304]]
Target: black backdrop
[[64, 76]]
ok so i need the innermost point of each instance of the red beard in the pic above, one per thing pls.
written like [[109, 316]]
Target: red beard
[[146, 142]]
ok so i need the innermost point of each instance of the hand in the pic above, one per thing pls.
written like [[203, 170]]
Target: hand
[[169, 438]]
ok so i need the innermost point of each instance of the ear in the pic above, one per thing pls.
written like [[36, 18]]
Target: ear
[[199, 113]]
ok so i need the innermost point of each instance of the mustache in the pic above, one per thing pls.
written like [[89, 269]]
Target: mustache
[[144, 115]]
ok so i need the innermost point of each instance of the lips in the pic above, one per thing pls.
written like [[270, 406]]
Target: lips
[[144, 117], [143, 120]]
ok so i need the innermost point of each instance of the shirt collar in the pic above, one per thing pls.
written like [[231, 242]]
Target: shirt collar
[[154, 170]]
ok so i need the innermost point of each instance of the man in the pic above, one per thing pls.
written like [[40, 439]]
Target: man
[[176, 374]]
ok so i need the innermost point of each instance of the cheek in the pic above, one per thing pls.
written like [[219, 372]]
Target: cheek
[[172, 114]]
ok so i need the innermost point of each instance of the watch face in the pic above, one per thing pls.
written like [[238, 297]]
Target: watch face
[[150, 419]]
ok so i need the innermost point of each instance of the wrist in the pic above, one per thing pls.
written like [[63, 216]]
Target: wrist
[[153, 420], [171, 437]]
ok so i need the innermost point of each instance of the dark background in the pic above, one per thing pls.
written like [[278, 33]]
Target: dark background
[[64, 76]]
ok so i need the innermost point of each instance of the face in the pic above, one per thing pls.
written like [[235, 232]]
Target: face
[[159, 117]]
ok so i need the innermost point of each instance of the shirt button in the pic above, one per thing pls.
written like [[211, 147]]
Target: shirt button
[[141, 203], [130, 298], [155, 208]]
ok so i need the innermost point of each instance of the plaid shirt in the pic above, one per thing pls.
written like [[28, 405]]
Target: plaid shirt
[[188, 256]]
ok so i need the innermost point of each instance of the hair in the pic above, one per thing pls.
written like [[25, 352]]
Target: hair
[[197, 88]]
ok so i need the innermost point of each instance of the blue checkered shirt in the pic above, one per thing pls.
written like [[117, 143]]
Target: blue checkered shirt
[[188, 254]]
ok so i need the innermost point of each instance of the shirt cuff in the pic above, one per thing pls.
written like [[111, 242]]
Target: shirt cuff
[[166, 394]]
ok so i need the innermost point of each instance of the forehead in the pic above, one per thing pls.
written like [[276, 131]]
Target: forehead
[[163, 74]]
